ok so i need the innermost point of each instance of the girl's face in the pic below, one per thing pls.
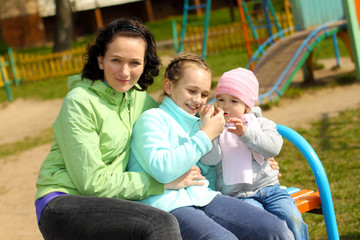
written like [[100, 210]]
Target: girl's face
[[192, 90], [232, 106], [123, 62]]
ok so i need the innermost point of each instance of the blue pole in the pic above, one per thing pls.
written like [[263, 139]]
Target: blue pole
[[268, 22], [320, 177], [273, 13], [336, 49]]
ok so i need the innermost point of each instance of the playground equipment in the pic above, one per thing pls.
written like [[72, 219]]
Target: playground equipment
[[277, 64], [4, 77], [277, 67], [270, 20], [321, 180], [187, 8], [232, 35], [5, 66]]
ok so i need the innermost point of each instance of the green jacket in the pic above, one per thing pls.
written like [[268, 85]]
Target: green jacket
[[91, 144]]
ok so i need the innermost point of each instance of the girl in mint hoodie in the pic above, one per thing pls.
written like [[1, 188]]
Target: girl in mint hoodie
[[170, 140]]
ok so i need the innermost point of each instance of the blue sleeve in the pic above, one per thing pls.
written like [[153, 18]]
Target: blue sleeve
[[161, 151]]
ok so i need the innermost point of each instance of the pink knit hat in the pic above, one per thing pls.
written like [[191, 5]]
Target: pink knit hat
[[240, 83]]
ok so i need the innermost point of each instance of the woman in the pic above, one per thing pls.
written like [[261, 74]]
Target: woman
[[82, 183]]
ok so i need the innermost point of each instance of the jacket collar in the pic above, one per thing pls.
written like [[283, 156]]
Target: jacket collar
[[109, 94], [185, 120], [100, 88]]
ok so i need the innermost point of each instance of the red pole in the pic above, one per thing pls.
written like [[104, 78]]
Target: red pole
[[246, 35]]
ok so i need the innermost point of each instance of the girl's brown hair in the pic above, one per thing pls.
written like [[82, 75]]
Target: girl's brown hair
[[175, 69]]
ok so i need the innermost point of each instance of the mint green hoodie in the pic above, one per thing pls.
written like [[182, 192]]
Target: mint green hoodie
[[91, 144]]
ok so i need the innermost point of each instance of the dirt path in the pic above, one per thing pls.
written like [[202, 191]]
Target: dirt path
[[21, 118]]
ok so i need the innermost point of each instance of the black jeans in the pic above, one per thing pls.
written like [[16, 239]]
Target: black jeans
[[76, 217]]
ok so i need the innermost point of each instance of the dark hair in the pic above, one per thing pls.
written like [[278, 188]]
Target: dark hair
[[175, 69], [130, 28]]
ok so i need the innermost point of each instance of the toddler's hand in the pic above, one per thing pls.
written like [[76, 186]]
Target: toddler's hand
[[239, 129]]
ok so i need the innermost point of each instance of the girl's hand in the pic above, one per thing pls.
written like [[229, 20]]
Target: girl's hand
[[274, 165], [239, 126], [213, 121], [190, 178]]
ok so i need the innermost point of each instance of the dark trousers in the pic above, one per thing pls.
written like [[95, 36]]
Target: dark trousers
[[76, 217]]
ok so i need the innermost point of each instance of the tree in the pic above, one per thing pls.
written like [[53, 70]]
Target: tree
[[63, 26]]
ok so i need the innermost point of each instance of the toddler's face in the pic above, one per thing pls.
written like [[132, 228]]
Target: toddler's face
[[191, 91], [232, 106]]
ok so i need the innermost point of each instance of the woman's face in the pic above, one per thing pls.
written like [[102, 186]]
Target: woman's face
[[191, 91], [123, 62]]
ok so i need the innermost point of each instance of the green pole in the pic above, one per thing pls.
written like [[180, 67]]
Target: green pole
[[7, 86], [13, 66], [175, 36], [183, 25], [206, 27], [353, 30]]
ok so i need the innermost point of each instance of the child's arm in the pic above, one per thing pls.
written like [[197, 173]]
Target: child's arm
[[158, 154], [214, 156], [267, 141]]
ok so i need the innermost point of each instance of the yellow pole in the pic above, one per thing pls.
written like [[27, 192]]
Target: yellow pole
[[288, 15]]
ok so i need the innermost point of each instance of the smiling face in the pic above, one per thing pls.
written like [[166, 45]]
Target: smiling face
[[191, 91], [123, 62], [232, 106]]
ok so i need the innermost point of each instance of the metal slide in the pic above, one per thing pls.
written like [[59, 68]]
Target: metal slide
[[284, 58]]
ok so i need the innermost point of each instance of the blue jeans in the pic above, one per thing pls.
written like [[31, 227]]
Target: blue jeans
[[278, 202], [228, 218], [77, 217]]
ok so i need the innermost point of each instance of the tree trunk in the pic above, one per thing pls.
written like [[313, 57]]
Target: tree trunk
[[63, 26]]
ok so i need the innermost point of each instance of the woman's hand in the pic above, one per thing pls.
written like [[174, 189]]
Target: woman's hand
[[213, 122], [274, 165], [190, 178]]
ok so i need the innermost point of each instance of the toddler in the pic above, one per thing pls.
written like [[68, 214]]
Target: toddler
[[240, 153]]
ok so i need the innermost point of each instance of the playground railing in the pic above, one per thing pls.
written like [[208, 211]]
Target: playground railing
[[222, 37], [320, 177], [270, 41], [304, 45], [35, 67]]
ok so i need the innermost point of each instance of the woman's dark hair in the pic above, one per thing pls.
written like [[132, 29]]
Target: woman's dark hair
[[131, 28]]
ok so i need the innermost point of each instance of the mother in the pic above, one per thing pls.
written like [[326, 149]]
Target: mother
[[82, 183]]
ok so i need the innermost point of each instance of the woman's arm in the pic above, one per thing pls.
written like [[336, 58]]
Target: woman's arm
[[77, 133]]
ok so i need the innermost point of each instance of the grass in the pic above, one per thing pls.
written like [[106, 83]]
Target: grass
[[25, 144], [336, 141]]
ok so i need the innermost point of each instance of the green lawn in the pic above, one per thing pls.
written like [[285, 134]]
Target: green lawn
[[336, 141]]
